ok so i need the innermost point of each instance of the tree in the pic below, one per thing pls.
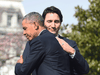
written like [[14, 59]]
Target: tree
[[9, 41], [87, 34]]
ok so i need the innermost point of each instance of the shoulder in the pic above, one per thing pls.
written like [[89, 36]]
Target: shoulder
[[66, 39], [46, 33], [47, 36], [35, 42], [36, 45], [43, 39], [70, 42]]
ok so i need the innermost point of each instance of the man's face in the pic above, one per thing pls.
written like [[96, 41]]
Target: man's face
[[29, 30], [52, 22]]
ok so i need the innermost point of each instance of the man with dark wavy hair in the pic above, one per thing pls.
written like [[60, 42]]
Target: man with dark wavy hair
[[52, 20]]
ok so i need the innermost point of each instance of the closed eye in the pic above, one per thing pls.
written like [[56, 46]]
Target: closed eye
[[24, 28]]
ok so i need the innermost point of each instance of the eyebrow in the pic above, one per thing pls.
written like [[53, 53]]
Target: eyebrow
[[49, 20]]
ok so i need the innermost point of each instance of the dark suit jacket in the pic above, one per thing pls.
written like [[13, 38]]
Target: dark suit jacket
[[46, 56], [78, 64]]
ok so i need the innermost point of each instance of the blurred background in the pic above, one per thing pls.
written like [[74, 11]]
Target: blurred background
[[81, 23], [12, 41]]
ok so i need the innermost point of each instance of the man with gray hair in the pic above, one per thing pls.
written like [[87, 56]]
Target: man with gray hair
[[44, 53]]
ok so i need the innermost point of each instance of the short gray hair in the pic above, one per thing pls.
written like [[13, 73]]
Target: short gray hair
[[34, 17]]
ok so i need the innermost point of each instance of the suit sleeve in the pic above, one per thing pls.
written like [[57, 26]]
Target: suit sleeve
[[79, 63], [26, 50], [34, 58]]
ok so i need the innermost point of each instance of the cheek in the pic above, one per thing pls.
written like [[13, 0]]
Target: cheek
[[58, 26], [30, 32], [47, 24]]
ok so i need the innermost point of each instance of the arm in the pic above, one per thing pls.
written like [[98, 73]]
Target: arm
[[26, 50], [35, 57], [78, 62]]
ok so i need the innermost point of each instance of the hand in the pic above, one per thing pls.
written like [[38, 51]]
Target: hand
[[20, 60], [66, 46]]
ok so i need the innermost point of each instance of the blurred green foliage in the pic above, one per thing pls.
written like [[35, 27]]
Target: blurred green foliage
[[87, 34]]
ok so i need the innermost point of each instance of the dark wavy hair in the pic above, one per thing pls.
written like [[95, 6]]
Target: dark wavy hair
[[52, 9]]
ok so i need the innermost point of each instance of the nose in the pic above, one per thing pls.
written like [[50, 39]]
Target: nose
[[53, 24]]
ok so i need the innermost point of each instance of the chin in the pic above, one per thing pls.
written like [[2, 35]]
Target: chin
[[29, 39], [53, 33]]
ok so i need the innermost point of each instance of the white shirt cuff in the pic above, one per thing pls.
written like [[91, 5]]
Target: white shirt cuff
[[72, 55]]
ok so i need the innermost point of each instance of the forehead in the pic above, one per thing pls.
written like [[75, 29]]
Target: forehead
[[52, 16], [25, 22]]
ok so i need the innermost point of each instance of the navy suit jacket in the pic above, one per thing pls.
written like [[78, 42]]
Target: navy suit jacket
[[46, 56], [78, 64]]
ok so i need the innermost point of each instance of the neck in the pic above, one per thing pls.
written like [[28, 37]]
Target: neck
[[40, 30]]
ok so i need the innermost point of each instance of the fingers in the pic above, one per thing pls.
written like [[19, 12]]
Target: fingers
[[57, 38], [60, 41], [65, 46], [21, 56], [18, 61]]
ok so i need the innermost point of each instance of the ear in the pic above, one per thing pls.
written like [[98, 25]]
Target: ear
[[36, 26]]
